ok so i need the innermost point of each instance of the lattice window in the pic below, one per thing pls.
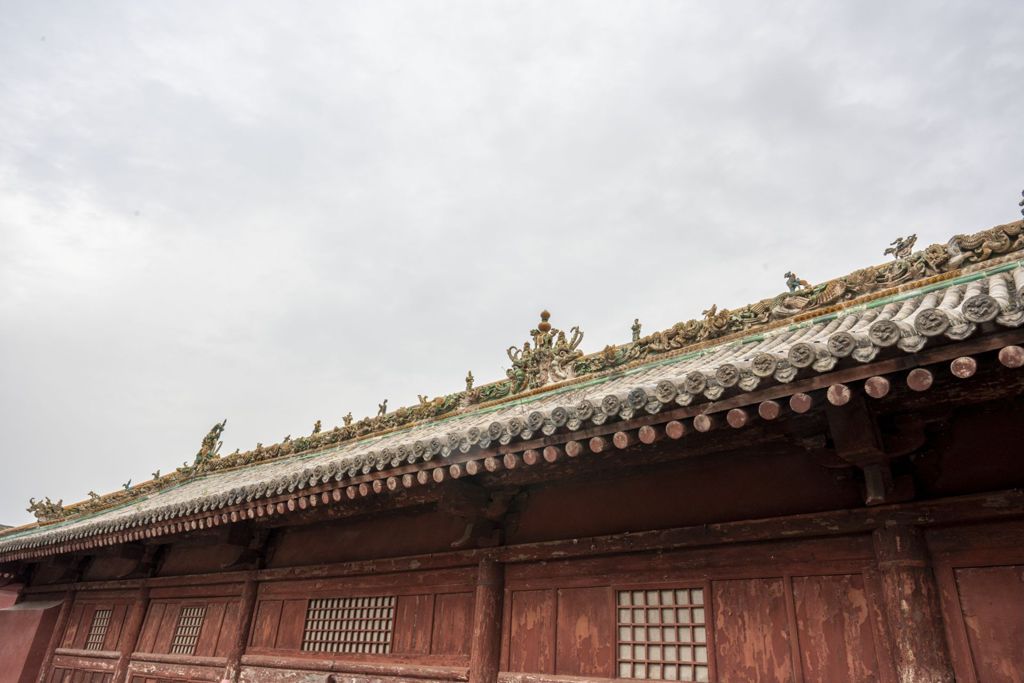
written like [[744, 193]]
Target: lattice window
[[360, 625], [98, 629], [186, 633], [662, 635]]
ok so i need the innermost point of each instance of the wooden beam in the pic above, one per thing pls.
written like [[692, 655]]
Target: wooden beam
[[971, 509], [1012, 356], [963, 367], [674, 429], [800, 402], [769, 410], [737, 418], [649, 434], [877, 387], [920, 379], [623, 439], [838, 394], [704, 423]]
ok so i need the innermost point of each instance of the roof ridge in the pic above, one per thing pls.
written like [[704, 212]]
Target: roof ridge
[[553, 362]]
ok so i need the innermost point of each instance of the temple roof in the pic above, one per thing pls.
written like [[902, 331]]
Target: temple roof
[[920, 298]]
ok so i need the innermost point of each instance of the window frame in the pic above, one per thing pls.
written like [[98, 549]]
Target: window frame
[[679, 584], [350, 612], [186, 642], [95, 639]]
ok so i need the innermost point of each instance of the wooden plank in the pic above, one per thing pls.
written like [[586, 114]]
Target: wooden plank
[[880, 626], [585, 632], [532, 631], [186, 589], [834, 629], [165, 631], [209, 634], [85, 659], [117, 616], [268, 618], [292, 624], [74, 623], [453, 619], [992, 599], [231, 631], [274, 669], [414, 617], [751, 636], [375, 581]]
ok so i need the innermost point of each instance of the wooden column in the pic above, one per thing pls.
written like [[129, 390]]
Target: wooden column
[[247, 608], [130, 636], [58, 633], [486, 645], [911, 598]]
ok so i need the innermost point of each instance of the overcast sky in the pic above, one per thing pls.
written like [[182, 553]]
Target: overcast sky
[[279, 212]]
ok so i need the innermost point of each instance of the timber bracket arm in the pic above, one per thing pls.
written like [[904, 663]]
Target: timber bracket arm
[[858, 441]]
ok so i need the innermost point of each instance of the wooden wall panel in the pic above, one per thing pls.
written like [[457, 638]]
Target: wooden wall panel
[[216, 635], [210, 632], [585, 632], [433, 611], [80, 622], [752, 639], [265, 624], [992, 600], [165, 632], [74, 624], [834, 629], [414, 621], [532, 631], [228, 629], [292, 624], [453, 624], [117, 614]]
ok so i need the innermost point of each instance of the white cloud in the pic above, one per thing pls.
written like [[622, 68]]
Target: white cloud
[[280, 213]]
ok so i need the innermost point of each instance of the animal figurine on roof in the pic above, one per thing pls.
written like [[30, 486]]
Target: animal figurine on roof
[[901, 247], [209, 449], [46, 510], [794, 283]]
